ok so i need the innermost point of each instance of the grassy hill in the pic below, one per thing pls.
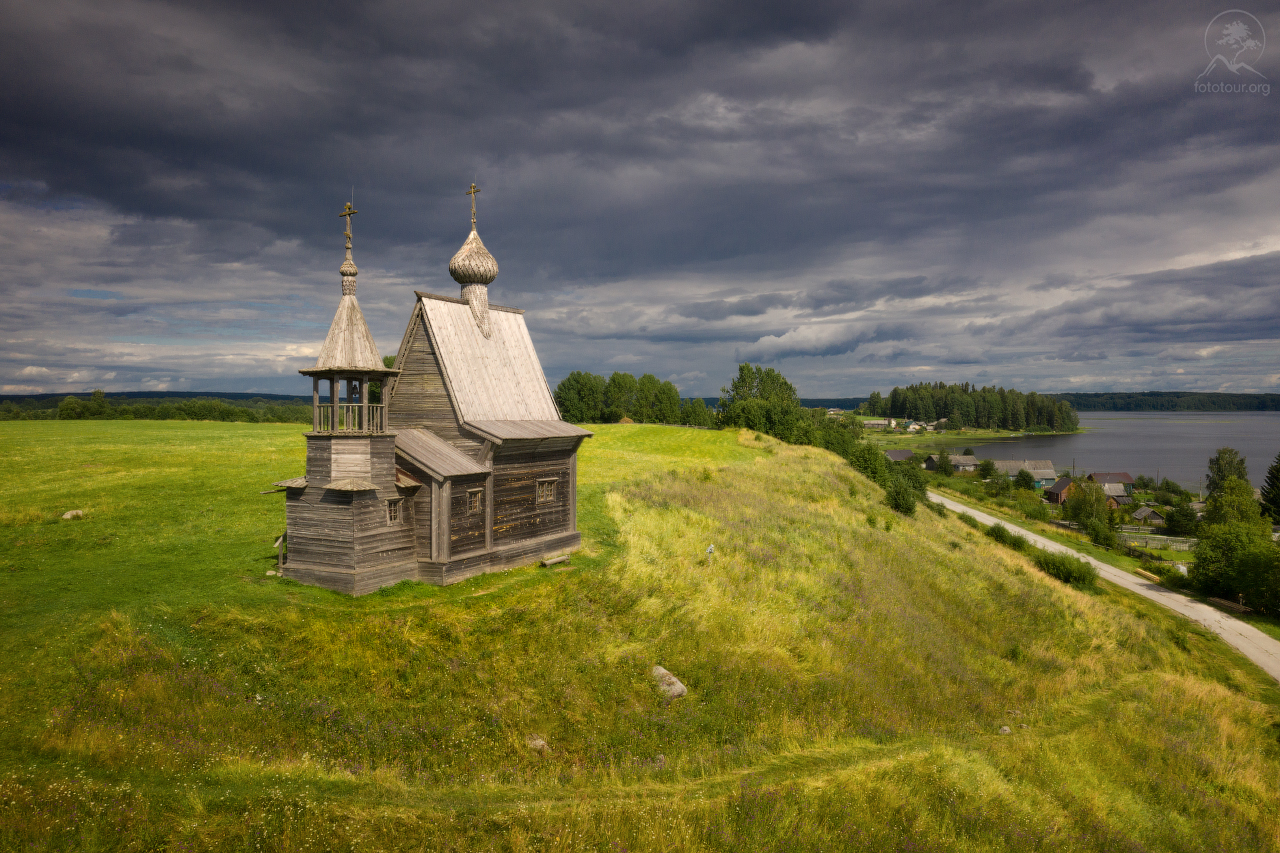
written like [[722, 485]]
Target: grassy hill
[[848, 670]]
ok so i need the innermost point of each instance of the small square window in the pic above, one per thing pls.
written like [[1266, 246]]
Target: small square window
[[475, 501], [393, 512], [546, 491]]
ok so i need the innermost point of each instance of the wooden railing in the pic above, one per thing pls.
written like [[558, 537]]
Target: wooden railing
[[350, 417]]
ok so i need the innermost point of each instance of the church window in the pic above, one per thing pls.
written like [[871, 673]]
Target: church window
[[546, 491]]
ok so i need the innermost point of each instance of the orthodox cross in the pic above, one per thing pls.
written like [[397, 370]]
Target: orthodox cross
[[348, 211], [471, 192]]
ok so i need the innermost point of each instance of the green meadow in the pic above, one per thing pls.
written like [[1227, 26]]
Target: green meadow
[[849, 672]]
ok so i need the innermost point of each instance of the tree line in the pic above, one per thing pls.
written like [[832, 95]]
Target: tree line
[[1171, 401], [97, 407], [586, 398], [965, 405]]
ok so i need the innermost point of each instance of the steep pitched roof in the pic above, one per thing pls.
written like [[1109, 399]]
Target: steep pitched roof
[[1041, 469], [1060, 486], [1112, 477], [349, 344], [494, 378], [899, 454]]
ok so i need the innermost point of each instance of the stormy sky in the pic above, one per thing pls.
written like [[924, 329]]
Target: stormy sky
[[1043, 196]]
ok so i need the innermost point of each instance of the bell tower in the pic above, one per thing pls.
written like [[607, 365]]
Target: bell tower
[[347, 525]]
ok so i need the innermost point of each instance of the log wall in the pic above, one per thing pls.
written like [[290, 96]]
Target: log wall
[[466, 531], [516, 512]]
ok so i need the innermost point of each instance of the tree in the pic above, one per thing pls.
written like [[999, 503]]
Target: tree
[[694, 412], [986, 469], [375, 388], [945, 468], [70, 409], [1271, 491], [1227, 462], [580, 397], [1025, 480], [644, 410], [666, 404], [1220, 553], [873, 404], [762, 399], [1233, 503], [1181, 521], [1086, 503], [619, 396], [1143, 483]]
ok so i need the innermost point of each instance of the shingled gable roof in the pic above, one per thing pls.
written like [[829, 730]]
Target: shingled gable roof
[[496, 382]]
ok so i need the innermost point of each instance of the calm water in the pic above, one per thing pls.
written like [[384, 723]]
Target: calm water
[[1177, 445]]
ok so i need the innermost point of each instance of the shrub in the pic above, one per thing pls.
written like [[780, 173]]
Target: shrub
[[1099, 533], [901, 497], [1065, 568], [1006, 537], [970, 520]]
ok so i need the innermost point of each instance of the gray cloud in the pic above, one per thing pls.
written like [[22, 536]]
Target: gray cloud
[[673, 185]]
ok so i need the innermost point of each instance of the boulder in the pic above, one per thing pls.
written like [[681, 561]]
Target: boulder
[[668, 684], [1005, 730], [75, 513], [537, 744]]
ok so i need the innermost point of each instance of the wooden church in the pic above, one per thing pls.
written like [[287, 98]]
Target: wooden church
[[464, 466]]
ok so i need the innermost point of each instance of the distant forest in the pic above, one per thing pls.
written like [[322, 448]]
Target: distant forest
[[1171, 401], [158, 406], [966, 405]]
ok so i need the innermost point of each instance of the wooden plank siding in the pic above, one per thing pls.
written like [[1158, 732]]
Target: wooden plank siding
[[466, 530], [419, 398], [518, 554], [516, 512], [321, 528]]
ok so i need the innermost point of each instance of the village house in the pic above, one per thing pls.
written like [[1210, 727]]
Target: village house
[[1040, 469], [1113, 477], [899, 455], [1059, 491], [463, 467], [1149, 515], [1116, 495], [879, 423], [958, 463]]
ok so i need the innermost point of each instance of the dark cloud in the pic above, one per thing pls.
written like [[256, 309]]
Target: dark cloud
[[660, 179]]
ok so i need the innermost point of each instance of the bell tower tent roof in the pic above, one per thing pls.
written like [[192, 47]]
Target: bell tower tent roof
[[349, 346]]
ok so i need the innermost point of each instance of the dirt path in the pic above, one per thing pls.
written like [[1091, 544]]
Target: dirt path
[[1248, 640]]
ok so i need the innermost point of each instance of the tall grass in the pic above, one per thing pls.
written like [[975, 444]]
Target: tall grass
[[847, 683]]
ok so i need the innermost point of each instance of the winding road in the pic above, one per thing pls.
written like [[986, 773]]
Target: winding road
[[1248, 640]]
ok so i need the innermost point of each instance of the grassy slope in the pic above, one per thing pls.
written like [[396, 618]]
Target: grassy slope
[[846, 681]]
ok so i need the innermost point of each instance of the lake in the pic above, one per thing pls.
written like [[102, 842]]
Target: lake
[[1177, 445]]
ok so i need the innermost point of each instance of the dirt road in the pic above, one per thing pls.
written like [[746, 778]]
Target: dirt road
[[1248, 640]]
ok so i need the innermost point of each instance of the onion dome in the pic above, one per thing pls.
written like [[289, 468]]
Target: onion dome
[[473, 264]]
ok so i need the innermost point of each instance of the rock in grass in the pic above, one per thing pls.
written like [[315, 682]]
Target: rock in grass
[[537, 744], [75, 513], [1005, 730], [668, 683]]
